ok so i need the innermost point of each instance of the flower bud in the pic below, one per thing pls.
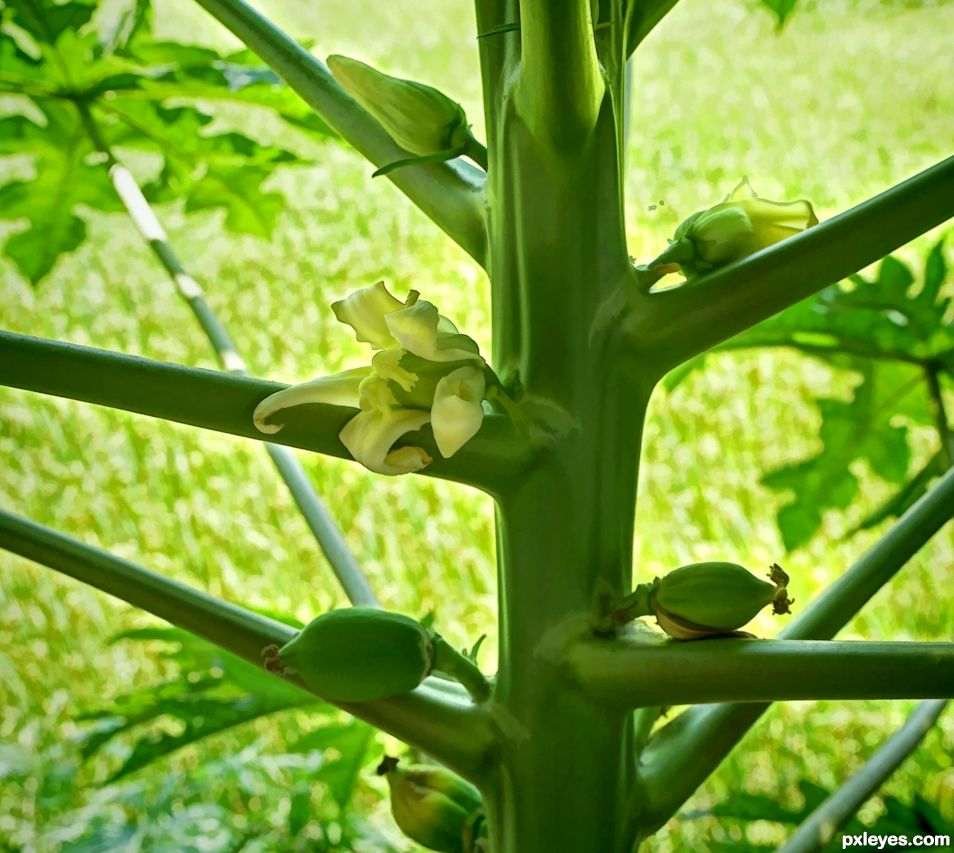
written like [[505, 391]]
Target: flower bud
[[739, 226], [419, 118], [433, 806], [708, 599], [359, 654]]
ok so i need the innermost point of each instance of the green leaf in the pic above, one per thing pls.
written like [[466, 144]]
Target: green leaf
[[186, 71], [121, 25], [876, 319], [351, 742], [935, 273], [781, 8], [48, 202], [248, 208], [859, 429], [886, 329], [50, 234], [46, 20], [905, 497], [215, 691], [744, 806]]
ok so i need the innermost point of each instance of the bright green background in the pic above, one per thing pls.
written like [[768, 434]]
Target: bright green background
[[838, 106]]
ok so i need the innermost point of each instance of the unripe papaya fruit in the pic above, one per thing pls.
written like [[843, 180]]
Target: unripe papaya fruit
[[359, 654], [433, 806], [704, 599]]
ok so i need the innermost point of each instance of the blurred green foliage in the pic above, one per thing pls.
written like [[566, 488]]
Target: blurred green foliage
[[836, 107]]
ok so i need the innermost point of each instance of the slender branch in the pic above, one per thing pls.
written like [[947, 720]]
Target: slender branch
[[676, 324], [560, 87], [944, 431], [819, 828], [455, 732], [225, 402], [631, 673], [319, 520], [451, 194], [686, 751]]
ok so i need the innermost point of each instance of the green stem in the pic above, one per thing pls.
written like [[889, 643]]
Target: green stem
[[818, 829], [560, 88], [944, 431], [225, 402], [451, 194], [477, 152], [497, 51], [631, 673], [319, 520], [686, 751], [679, 323], [449, 660], [629, 607], [454, 732]]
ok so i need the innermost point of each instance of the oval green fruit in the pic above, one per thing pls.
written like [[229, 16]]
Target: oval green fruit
[[360, 654], [703, 599]]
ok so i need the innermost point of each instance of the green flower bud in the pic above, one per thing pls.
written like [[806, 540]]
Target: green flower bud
[[433, 806], [707, 599], [419, 118], [360, 654], [739, 226]]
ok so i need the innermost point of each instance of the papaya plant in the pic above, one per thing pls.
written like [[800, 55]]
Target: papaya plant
[[562, 749]]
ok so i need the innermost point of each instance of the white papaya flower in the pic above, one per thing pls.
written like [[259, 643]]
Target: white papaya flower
[[424, 371]]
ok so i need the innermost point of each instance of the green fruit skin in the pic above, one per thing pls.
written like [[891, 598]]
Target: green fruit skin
[[360, 654], [720, 596], [433, 806]]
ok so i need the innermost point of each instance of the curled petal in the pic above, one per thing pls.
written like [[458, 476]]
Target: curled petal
[[773, 221], [339, 389], [369, 436], [457, 412], [422, 331], [365, 311]]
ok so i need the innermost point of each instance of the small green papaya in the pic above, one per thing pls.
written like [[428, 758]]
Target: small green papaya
[[433, 806], [359, 654], [705, 599]]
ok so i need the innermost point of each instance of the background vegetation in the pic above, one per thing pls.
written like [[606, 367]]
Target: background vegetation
[[849, 98]]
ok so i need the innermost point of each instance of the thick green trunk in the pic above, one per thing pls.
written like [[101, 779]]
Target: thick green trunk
[[565, 530]]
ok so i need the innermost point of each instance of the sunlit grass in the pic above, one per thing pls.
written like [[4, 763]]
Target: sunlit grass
[[836, 108]]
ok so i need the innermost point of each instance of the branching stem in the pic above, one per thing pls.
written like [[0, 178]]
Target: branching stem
[[316, 515]]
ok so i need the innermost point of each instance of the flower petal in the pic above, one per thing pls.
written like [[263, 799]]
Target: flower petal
[[422, 331], [339, 389], [457, 412], [365, 311], [369, 436], [773, 221]]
